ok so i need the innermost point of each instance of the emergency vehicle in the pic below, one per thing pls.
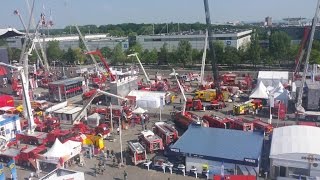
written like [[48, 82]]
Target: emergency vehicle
[[206, 95], [262, 126], [167, 132], [241, 124], [217, 122], [137, 152], [244, 108], [150, 141]]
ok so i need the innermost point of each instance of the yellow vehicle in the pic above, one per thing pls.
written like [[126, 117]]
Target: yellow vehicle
[[20, 109], [244, 108], [207, 95]]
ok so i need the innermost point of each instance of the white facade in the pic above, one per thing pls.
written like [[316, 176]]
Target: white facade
[[235, 39], [295, 152], [65, 42], [215, 167]]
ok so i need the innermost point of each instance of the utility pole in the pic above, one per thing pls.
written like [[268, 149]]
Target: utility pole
[[211, 47], [167, 28]]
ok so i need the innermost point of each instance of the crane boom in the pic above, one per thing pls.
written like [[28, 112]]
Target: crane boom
[[144, 72], [299, 107], [103, 60], [98, 92], [26, 97], [204, 55], [87, 48], [182, 91]]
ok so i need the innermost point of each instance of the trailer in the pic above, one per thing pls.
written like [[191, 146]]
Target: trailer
[[167, 132], [137, 152], [183, 120], [241, 124], [150, 141]]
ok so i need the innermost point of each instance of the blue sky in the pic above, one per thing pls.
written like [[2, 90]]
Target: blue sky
[[65, 12]]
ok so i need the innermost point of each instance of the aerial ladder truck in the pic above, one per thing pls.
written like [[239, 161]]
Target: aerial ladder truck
[[183, 118], [300, 111]]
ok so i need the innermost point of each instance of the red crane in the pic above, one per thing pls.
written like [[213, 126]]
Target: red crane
[[104, 61]]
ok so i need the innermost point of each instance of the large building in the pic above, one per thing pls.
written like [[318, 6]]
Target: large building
[[93, 41], [238, 151], [234, 38]]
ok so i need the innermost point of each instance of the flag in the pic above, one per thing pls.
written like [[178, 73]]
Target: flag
[[13, 169], [2, 175], [222, 170]]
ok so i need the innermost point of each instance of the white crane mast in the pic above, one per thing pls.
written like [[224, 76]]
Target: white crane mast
[[144, 72], [182, 91], [25, 95], [204, 55]]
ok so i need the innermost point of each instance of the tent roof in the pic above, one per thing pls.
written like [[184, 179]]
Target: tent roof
[[139, 110], [273, 75], [57, 150], [295, 139], [260, 92], [10, 32], [71, 144]]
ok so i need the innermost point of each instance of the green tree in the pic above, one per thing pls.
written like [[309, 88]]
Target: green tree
[[118, 55], [79, 56], [173, 56], [136, 48], [149, 56], [164, 54], [279, 45], [53, 51], [14, 54], [184, 51], [69, 56], [196, 56], [153, 55], [231, 56], [219, 50], [315, 53], [106, 52], [3, 42], [254, 50]]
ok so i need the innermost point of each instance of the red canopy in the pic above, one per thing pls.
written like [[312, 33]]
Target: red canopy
[[3, 71]]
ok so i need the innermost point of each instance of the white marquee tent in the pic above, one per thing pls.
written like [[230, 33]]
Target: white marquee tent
[[271, 78], [260, 92], [139, 110], [148, 99], [280, 93]]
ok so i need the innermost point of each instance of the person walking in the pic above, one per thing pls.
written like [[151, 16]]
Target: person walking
[[125, 175], [108, 153]]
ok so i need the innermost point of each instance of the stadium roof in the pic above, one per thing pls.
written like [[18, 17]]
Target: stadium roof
[[233, 146], [10, 32]]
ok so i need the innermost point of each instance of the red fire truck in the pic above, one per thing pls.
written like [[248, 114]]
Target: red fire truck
[[184, 119], [241, 124], [137, 152], [167, 132], [150, 141], [262, 126], [217, 122]]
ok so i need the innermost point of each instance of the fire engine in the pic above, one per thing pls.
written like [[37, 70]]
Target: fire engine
[[262, 126], [168, 133], [137, 152], [240, 124], [217, 122], [198, 105], [247, 107], [150, 141]]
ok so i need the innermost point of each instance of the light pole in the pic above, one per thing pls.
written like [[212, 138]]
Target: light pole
[[120, 136]]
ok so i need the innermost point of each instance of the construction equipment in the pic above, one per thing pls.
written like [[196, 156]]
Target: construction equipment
[[168, 133], [144, 72], [26, 97], [198, 105], [137, 152], [150, 141], [301, 52], [299, 107], [204, 55], [183, 118]]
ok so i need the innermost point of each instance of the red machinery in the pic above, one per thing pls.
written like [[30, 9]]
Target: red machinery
[[102, 129], [301, 52], [260, 125], [48, 124], [116, 112], [35, 138], [6, 100], [198, 105], [183, 120], [217, 122], [168, 133], [279, 110], [150, 141], [241, 124], [137, 152]]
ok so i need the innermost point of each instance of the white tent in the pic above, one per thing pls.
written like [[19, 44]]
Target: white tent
[[281, 94], [148, 102], [139, 110], [172, 74], [260, 92], [271, 78], [57, 150]]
